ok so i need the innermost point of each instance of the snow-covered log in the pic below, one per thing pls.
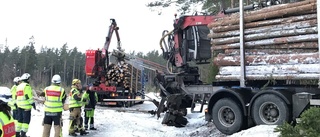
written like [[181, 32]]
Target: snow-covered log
[[272, 41], [265, 35], [268, 51], [272, 69], [262, 23], [267, 15], [270, 77], [267, 29], [303, 58]]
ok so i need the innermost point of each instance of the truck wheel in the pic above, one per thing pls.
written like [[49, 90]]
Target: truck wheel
[[227, 116], [269, 109]]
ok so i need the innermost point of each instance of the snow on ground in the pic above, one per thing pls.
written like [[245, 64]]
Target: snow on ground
[[111, 123], [258, 131]]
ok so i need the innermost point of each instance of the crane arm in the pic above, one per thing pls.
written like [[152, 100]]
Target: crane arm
[[112, 28]]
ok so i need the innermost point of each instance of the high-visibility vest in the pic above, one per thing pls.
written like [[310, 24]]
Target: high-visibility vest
[[54, 95], [86, 97], [24, 96], [13, 97], [72, 102], [7, 126]]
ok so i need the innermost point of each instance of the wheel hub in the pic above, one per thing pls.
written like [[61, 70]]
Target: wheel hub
[[269, 113], [226, 116]]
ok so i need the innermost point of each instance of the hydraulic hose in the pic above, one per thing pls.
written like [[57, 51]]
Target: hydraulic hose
[[162, 39]]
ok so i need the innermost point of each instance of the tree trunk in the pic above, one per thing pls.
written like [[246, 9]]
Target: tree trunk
[[266, 15], [232, 3], [51, 70], [272, 69], [265, 35], [263, 23], [273, 41], [313, 76], [74, 66], [303, 58], [267, 29], [268, 51], [64, 69]]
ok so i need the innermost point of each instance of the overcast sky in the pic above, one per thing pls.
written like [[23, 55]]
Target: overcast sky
[[83, 24]]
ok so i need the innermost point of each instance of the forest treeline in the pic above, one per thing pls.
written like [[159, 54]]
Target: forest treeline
[[69, 63]]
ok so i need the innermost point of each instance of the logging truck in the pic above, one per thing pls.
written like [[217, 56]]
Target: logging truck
[[267, 61], [111, 76]]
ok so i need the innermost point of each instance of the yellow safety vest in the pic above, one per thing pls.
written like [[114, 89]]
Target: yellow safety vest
[[72, 102], [13, 100], [54, 95], [7, 126], [24, 96], [86, 97]]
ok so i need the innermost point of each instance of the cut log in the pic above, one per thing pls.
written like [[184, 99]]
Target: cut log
[[266, 29], [263, 16], [273, 41], [272, 69], [261, 36], [303, 58], [273, 50], [270, 77], [292, 19], [271, 9], [297, 45], [117, 74]]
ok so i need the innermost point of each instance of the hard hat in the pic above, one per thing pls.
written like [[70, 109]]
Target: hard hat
[[5, 94], [25, 76], [56, 79], [75, 81], [16, 79]]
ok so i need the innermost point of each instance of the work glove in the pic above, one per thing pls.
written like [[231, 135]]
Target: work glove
[[34, 106]]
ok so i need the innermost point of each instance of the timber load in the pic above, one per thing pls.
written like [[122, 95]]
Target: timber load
[[280, 43], [125, 74]]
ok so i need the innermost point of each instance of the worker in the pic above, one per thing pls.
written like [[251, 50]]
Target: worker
[[75, 104], [53, 106], [12, 103], [24, 102], [91, 98], [7, 125]]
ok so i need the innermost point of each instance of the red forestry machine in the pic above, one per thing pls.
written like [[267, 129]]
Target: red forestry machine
[[98, 60], [117, 83]]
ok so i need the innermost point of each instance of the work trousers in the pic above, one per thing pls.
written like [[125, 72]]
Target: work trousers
[[75, 120], [54, 118], [23, 117], [89, 116], [15, 116]]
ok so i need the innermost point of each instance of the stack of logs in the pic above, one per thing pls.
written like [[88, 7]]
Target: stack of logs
[[280, 43], [119, 74]]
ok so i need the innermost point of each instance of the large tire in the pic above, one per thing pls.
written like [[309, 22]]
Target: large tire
[[227, 116], [269, 109]]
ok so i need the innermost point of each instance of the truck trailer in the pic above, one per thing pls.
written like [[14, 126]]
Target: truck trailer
[[267, 60]]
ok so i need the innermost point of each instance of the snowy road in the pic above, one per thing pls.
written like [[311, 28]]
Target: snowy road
[[112, 123]]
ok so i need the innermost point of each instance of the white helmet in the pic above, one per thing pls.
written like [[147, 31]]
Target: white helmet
[[16, 79], [5, 94], [25, 76], [56, 79]]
